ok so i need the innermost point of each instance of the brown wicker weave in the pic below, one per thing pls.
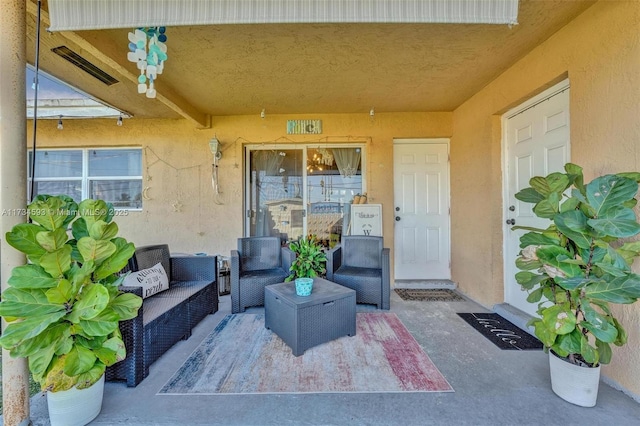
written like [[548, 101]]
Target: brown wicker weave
[[166, 317]]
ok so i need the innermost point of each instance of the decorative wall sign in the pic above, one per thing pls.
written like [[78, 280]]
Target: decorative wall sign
[[366, 219], [304, 127]]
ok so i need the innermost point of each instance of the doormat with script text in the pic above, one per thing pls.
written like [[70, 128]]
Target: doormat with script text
[[429, 295], [501, 332]]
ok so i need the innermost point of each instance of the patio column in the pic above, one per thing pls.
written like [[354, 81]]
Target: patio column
[[13, 178]]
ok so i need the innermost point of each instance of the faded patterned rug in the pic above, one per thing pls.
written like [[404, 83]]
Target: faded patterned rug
[[241, 356]]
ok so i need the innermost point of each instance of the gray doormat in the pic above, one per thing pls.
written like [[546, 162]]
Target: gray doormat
[[429, 295]]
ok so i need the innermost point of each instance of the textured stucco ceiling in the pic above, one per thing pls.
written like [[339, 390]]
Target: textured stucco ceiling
[[310, 68]]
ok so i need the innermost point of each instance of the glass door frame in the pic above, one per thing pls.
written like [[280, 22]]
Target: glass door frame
[[303, 146]]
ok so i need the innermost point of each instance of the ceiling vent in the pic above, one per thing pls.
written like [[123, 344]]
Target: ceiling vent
[[84, 65]]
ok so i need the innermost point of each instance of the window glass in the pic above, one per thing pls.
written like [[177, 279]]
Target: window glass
[[120, 193], [334, 178], [58, 163], [72, 188], [113, 175], [115, 162]]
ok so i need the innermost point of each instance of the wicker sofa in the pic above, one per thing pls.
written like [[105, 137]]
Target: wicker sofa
[[168, 316]]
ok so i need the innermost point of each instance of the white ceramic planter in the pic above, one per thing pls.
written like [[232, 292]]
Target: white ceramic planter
[[75, 407], [575, 384]]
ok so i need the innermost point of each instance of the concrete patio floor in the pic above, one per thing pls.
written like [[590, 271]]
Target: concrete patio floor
[[492, 387]]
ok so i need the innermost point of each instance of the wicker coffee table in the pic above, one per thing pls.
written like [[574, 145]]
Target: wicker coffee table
[[306, 321]]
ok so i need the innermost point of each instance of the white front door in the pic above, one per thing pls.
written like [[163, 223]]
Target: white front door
[[537, 143], [421, 210]]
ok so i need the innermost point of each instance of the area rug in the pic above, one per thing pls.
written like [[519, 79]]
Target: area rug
[[501, 332], [429, 295], [242, 357]]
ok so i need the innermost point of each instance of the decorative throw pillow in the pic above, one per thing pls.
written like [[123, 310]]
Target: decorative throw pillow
[[152, 280]]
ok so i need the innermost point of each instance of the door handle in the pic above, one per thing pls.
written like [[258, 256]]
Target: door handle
[[397, 218], [511, 221]]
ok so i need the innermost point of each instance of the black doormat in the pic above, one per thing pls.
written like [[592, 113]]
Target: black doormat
[[501, 332], [429, 295]]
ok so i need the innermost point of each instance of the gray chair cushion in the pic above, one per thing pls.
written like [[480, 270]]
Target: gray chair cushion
[[362, 251]]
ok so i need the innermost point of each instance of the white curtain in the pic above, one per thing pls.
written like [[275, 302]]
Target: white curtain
[[267, 161], [347, 160], [72, 15]]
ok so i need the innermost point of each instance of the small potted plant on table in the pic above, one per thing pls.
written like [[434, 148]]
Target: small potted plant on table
[[575, 268], [310, 262], [63, 308]]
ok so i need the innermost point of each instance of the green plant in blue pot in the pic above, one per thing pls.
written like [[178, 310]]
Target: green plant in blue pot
[[310, 262]]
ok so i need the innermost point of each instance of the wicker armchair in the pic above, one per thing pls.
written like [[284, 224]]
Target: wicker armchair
[[362, 264], [258, 262]]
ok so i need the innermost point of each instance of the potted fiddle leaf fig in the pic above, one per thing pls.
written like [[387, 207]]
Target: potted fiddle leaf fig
[[63, 307], [310, 262], [577, 267]]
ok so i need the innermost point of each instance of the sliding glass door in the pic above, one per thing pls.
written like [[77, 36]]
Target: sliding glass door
[[302, 190]]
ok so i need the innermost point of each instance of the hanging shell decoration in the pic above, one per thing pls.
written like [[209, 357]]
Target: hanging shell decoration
[[148, 51]]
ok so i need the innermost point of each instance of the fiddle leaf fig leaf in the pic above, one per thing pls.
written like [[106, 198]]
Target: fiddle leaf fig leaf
[[28, 302], [52, 240], [79, 228], [617, 221], [604, 352], [50, 213], [93, 211], [635, 176], [102, 230], [548, 207], [58, 262], [60, 294], [570, 343], [529, 195], [622, 334], [574, 225], [86, 380], [96, 250], [91, 302], [116, 345], [623, 290], [31, 276], [126, 305], [559, 318], [22, 237], [574, 172], [536, 239], [79, 360], [588, 352], [610, 191], [540, 185], [101, 325], [16, 332], [117, 260], [558, 182], [598, 324]]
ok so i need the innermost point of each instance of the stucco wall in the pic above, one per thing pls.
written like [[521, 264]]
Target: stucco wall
[[600, 53], [177, 167]]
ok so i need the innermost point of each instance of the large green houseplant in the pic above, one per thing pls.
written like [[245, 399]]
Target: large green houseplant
[[581, 263], [64, 306], [310, 260]]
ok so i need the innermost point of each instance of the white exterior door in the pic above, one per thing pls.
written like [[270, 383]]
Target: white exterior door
[[421, 210], [536, 144]]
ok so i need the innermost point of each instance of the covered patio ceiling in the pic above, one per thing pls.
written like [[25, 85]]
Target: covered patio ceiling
[[218, 70]]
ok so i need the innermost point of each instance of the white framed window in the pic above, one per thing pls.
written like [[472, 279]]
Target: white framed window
[[110, 174]]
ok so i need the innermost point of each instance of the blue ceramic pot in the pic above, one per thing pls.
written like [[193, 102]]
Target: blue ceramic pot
[[304, 286]]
